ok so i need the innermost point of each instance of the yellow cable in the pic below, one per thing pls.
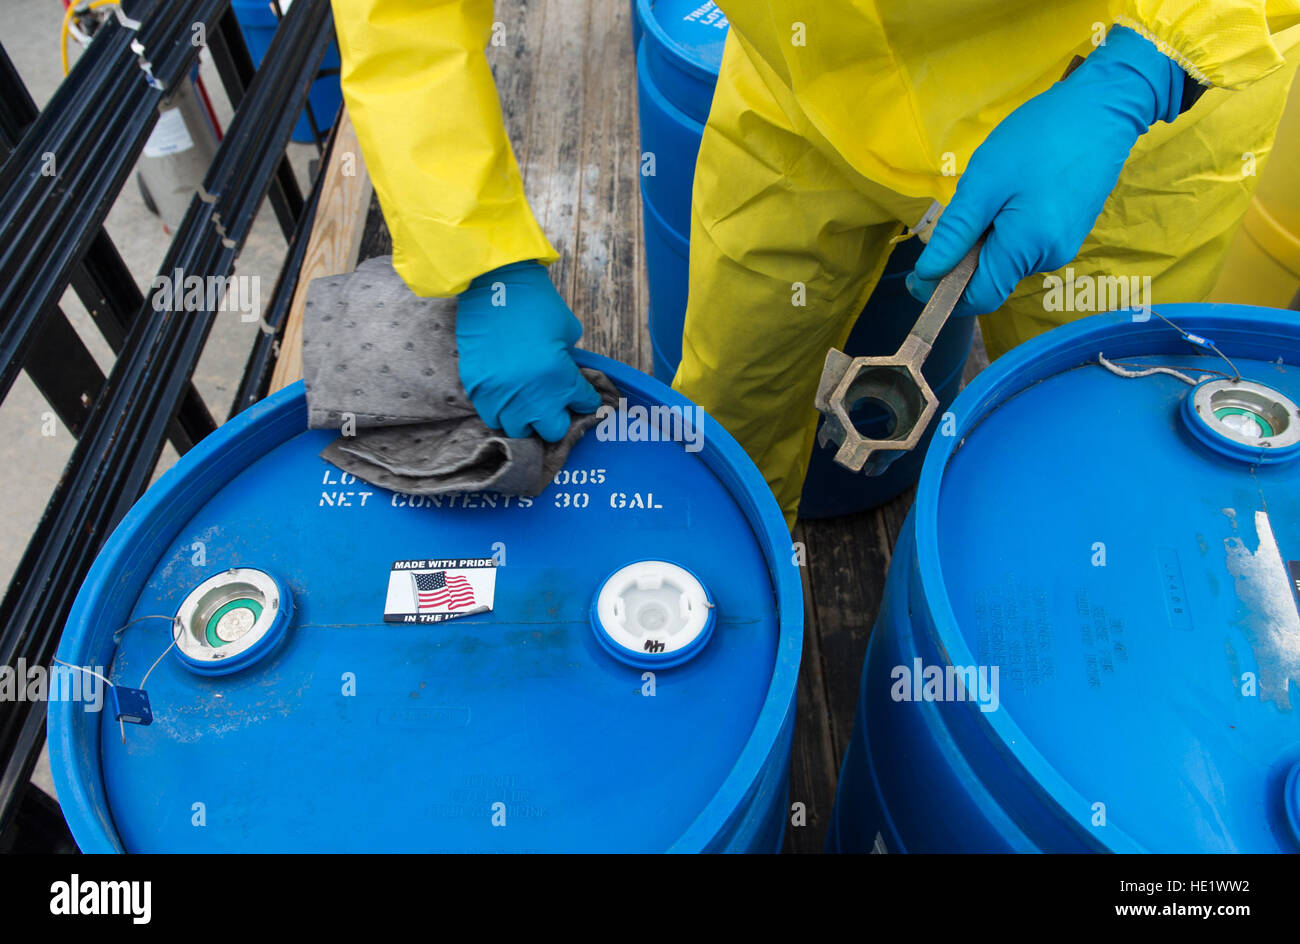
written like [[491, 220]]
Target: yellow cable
[[72, 9], [63, 34]]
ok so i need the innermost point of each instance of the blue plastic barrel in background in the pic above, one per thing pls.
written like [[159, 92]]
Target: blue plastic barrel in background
[[677, 67], [360, 734], [1129, 569], [678, 57], [258, 24]]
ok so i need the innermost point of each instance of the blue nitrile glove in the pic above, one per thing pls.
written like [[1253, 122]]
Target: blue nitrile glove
[[516, 336], [1042, 176]]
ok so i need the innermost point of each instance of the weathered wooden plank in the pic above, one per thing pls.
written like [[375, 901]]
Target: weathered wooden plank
[[606, 260], [515, 58], [551, 150], [335, 239], [641, 279], [848, 562], [375, 238], [812, 765], [847, 566], [890, 517]]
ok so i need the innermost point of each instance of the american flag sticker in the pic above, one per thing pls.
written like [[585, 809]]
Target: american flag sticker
[[431, 591]]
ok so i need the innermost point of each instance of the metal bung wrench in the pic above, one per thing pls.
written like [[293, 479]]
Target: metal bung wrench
[[894, 381]]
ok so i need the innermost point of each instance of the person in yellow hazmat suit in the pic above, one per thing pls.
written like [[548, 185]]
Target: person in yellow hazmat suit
[[834, 127]]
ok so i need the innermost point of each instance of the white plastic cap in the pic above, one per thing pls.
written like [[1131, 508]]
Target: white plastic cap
[[652, 612]]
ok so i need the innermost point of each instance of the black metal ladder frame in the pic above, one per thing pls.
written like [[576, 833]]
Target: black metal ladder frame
[[51, 236]]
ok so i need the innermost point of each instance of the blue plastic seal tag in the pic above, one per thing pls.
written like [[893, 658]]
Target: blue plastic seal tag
[[131, 705]]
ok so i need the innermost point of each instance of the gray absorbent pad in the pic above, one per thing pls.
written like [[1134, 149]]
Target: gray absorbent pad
[[381, 359]]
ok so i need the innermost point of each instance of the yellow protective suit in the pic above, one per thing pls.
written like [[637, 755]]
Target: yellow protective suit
[[421, 96], [834, 124]]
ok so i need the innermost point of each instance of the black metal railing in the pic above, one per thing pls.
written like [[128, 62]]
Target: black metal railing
[[51, 236]]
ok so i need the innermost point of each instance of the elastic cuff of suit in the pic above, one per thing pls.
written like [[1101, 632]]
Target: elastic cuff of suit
[[1144, 56], [1190, 69], [494, 275]]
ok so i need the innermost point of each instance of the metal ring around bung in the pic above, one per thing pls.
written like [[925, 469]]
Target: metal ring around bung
[[232, 620], [1244, 419]]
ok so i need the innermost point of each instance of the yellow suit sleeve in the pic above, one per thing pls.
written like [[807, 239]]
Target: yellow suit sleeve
[[421, 95], [1222, 43]]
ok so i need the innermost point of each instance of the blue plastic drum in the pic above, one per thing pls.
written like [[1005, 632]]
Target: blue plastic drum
[[1090, 639], [258, 24], [609, 666], [678, 57]]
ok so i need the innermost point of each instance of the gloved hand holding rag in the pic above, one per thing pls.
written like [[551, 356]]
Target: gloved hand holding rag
[[383, 362]]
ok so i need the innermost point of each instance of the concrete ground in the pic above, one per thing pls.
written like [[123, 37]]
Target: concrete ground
[[34, 461]]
